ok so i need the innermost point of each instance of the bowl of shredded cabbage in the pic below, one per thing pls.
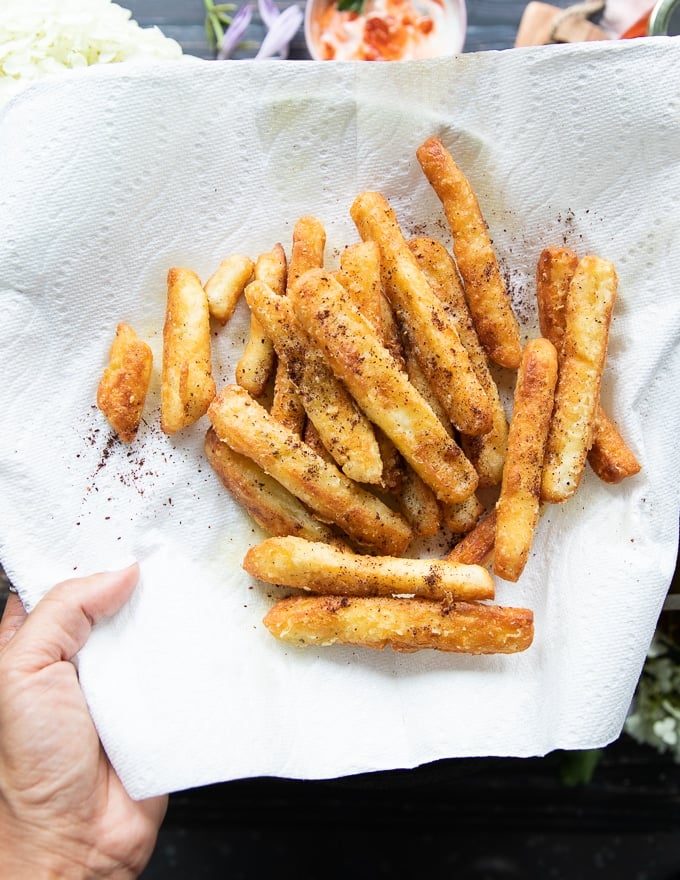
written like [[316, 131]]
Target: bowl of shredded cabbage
[[43, 38]]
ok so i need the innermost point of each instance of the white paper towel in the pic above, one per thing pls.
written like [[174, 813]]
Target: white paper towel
[[111, 176]]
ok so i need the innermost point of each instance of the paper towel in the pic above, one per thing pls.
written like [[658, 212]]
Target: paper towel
[[111, 176]]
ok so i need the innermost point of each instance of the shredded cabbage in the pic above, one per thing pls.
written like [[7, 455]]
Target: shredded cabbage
[[42, 37]]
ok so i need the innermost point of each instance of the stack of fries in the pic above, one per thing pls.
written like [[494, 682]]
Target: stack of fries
[[364, 416]]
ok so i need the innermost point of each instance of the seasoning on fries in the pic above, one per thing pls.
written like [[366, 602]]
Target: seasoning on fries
[[404, 625], [124, 384], [431, 334], [187, 385], [273, 507], [382, 390], [485, 288], [248, 429], [365, 417], [588, 311], [609, 456], [486, 451], [258, 360], [343, 429], [519, 502], [319, 568]]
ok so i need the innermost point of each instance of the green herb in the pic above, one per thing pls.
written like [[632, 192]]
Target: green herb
[[351, 6], [217, 18]]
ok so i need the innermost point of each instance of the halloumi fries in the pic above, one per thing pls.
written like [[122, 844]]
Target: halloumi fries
[[364, 416], [485, 451], [272, 507], [485, 288], [609, 456], [318, 568], [343, 429], [307, 251], [382, 390], [588, 311], [519, 502], [404, 625], [258, 361], [360, 276], [187, 384], [124, 384], [247, 428], [432, 336], [476, 548], [226, 285]]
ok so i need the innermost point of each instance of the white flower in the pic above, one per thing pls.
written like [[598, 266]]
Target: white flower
[[655, 716], [39, 38]]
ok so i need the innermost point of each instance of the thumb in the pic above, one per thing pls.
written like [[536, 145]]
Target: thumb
[[12, 618], [61, 622]]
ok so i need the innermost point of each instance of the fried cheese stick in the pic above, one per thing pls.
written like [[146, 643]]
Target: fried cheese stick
[[432, 336], [382, 390], [318, 568], [402, 624], [588, 312], [342, 428], [124, 384], [609, 456], [476, 548], [485, 289], [187, 385], [485, 451], [246, 426], [258, 361], [307, 251], [226, 284], [519, 501], [274, 509]]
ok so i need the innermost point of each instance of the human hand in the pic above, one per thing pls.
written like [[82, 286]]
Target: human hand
[[63, 810]]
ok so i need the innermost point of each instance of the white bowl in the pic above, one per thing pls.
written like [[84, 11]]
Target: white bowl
[[348, 39]]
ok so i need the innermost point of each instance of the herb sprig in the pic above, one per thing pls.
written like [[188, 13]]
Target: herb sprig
[[217, 18], [351, 6]]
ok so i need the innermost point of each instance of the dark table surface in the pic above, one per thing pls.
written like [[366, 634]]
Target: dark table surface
[[487, 818]]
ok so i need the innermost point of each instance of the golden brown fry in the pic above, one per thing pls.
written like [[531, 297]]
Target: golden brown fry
[[226, 284], [343, 429], [476, 548], [485, 451], [273, 508], [124, 384], [381, 389], [307, 252], [432, 336], [485, 288], [402, 624], [419, 505], [589, 307], [519, 501], [461, 518], [318, 568], [287, 406], [360, 275], [554, 271], [609, 456], [249, 429], [258, 361], [187, 385]]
